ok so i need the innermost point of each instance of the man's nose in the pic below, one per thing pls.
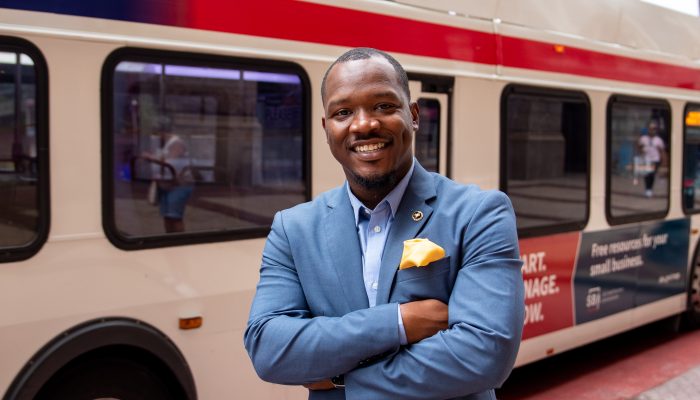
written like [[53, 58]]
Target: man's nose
[[364, 122]]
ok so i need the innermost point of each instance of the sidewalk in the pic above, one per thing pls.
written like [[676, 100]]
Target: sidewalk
[[649, 363], [682, 387]]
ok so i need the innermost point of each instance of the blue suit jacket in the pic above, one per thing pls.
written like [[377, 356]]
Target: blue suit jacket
[[310, 318]]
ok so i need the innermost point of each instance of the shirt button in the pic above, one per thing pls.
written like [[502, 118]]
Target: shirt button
[[374, 285], [377, 229], [366, 211]]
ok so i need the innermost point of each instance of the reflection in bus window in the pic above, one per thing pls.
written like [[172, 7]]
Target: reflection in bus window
[[638, 159], [19, 209], [691, 159], [428, 135], [546, 158], [210, 148]]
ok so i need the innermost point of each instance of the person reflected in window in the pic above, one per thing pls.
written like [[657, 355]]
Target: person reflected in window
[[651, 147], [173, 174]]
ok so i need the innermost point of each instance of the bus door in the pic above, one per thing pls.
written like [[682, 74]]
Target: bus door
[[431, 141]]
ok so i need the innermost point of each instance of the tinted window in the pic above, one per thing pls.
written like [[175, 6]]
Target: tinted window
[[23, 178], [638, 155], [205, 147], [428, 135], [691, 159], [545, 158]]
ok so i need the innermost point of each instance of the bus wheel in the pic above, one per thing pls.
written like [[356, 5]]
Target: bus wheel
[[692, 315], [109, 376]]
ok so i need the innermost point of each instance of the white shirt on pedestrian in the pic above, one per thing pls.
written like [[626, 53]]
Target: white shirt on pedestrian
[[651, 148]]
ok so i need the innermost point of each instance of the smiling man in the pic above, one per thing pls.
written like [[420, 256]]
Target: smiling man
[[334, 312], [369, 123]]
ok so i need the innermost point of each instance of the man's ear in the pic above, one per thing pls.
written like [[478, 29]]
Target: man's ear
[[323, 123], [415, 115]]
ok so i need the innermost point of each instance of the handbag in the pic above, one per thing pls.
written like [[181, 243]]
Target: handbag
[[152, 195]]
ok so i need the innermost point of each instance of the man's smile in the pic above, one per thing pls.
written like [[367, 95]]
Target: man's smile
[[370, 151], [369, 147]]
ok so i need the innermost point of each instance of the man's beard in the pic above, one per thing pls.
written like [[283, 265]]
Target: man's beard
[[376, 181]]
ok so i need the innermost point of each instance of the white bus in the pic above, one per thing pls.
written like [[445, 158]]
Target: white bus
[[146, 144]]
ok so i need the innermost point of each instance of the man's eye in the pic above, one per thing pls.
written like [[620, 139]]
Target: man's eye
[[385, 106], [342, 113]]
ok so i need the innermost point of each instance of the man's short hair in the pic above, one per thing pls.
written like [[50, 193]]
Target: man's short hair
[[364, 53]]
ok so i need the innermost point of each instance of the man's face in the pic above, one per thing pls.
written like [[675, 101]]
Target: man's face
[[369, 122]]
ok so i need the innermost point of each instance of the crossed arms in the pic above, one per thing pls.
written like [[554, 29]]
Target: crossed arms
[[474, 352]]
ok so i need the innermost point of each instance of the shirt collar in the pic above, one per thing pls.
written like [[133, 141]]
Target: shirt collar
[[393, 198]]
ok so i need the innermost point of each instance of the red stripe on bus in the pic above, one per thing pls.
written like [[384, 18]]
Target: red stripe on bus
[[309, 22], [549, 57], [315, 23]]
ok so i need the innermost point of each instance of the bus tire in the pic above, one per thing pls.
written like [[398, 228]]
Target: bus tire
[[126, 356], [107, 374], [691, 317]]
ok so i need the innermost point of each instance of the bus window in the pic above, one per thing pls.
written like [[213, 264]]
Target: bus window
[[638, 159], [691, 159], [545, 158], [433, 95], [23, 154], [428, 136], [213, 147]]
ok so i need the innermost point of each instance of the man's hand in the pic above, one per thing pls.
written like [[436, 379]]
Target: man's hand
[[323, 385], [423, 318]]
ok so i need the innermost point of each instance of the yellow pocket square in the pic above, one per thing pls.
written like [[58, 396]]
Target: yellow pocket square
[[419, 253]]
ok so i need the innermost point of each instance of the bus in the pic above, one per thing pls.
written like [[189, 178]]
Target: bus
[[146, 145]]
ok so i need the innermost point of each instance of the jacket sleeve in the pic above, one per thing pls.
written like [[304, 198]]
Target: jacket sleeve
[[289, 346], [486, 313]]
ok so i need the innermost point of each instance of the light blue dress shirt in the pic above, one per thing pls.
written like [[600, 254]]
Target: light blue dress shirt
[[373, 228]]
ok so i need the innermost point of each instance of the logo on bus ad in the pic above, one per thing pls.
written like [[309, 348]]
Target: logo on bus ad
[[593, 298]]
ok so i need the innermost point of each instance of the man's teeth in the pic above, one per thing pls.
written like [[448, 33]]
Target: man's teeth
[[369, 147]]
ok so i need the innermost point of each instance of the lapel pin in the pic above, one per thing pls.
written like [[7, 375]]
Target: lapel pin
[[417, 215]]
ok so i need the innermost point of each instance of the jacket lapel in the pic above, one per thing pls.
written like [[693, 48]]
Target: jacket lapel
[[344, 249], [420, 189]]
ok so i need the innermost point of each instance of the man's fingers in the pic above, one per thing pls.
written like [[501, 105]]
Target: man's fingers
[[423, 318]]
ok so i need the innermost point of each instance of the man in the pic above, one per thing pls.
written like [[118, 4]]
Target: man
[[652, 147], [330, 302]]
